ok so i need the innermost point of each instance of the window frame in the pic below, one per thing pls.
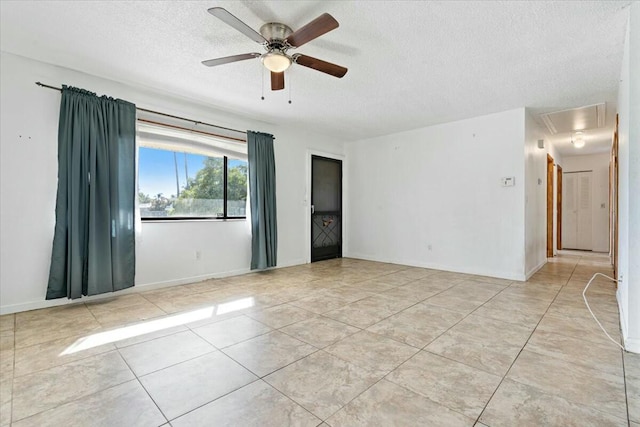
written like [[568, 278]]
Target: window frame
[[224, 217]]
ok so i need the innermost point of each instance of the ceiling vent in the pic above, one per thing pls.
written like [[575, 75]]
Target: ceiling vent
[[576, 119]]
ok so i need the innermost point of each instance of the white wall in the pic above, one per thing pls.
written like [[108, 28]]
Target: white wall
[[599, 165], [432, 197], [166, 251], [629, 190], [535, 167]]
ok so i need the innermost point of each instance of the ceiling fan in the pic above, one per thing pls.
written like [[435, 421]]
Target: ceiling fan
[[277, 39]]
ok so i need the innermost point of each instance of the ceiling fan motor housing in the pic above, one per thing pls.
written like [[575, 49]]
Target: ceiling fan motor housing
[[276, 33]]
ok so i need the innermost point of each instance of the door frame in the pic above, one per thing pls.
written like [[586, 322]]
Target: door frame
[[550, 180], [559, 207], [613, 201], [307, 200]]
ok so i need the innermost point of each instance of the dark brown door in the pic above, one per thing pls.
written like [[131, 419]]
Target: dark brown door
[[549, 206], [326, 208]]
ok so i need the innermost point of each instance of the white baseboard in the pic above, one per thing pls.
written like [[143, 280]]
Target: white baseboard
[[630, 344], [535, 269], [139, 287], [454, 269]]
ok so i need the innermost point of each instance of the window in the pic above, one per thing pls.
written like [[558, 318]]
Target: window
[[182, 175]]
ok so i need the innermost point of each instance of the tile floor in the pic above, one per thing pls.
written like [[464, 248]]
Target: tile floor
[[337, 343]]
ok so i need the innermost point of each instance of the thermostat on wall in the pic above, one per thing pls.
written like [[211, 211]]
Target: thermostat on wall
[[508, 181]]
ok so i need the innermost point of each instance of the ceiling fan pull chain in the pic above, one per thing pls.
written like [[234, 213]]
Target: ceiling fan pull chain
[[262, 86], [290, 79]]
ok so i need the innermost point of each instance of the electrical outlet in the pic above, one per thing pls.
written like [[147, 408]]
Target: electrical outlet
[[508, 181], [198, 254]]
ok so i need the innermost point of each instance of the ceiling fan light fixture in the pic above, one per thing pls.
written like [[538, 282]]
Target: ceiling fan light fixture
[[276, 61]]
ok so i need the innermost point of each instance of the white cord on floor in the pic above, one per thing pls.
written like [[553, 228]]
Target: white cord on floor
[[584, 296]]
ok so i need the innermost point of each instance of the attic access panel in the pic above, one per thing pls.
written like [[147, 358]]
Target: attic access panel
[[575, 119]]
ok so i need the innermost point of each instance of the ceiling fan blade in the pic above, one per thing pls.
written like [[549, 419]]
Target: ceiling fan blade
[[231, 20], [277, 81], [314, 29], [320, 65], [228, 59]]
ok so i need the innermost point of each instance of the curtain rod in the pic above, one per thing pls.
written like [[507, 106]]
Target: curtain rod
[[197, 122], [192, 130]]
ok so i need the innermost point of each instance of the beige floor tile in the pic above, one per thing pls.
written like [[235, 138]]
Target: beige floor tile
[[373, 286], [53, 353], [322, 383], [577, 327], [157, 354], [269, 352], [257, 404], [570, 381], [127, 315], [579, 311], [633, 398], [465, 296], [189, 385], [232, 331], [50, 388], [417, 325], [281, 315], [122, 405], [387, 404], [366, 312], [207, 286], [576, 377], [146, 336], [164, 294], [62, 314], [605, 357], [7, 340], [347, 293], [184, 300], [394, 279], [549, 279], [493, 280], [6, 394], [319, 304], [452, 384], [411, 293], [116, 303], [483, 343], [415, 273], [532, 290], [7, 322], [513, 309], [38, 328], [319, 331], [372, 351], [434, 282], [6, 364], [632, 364], [516, 404]]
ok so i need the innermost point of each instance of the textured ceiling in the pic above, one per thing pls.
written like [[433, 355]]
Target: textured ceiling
[[411, 64]]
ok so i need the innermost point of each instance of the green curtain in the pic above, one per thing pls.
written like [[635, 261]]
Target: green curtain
[[93, 245], [262, 193]]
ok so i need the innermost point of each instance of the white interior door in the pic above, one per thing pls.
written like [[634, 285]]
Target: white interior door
[[569, 211], [577, 210], [584, 211]]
